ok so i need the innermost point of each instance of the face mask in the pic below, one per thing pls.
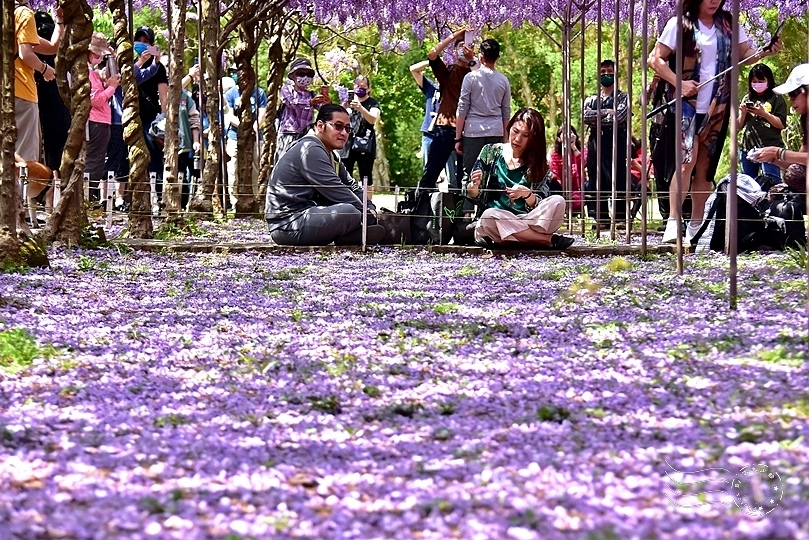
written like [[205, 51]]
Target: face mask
[[303, 82], [140, 47], [463, 58], [759, 87], [607, 80], [361, 92]]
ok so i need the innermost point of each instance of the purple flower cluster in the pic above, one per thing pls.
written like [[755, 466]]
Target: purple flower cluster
[[398, 394]]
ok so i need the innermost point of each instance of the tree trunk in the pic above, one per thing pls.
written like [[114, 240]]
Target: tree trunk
[[202, 203], [140, 214], [283, 29], [9, 243], [171, 185], [246, 136], [69, 217], [381, 166]]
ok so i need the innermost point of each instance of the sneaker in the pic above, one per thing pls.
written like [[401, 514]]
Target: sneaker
[[561, 242], [375, 235], [691, 231], [670, 235]]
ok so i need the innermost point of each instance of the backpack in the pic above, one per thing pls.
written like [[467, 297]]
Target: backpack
[[751, 207], [785, 227]]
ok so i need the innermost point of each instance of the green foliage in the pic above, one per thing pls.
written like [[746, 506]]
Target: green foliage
[[93, 238], [17, 350], [552, 413], [174, 231], [445, 308], [797, 256], [329, 404], [402, 113], [172, 420], [34, 252]]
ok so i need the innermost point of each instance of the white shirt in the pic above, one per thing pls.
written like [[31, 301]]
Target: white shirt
[[706, 40]]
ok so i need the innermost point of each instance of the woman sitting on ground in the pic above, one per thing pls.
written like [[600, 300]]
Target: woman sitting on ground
[[509, 180]]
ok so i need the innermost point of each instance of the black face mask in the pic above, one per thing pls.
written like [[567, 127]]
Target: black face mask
[[607, 79]]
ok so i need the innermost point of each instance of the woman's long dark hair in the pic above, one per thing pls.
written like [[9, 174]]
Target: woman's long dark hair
[[557, 145], [534, 156], [760, 71], [691, 16]]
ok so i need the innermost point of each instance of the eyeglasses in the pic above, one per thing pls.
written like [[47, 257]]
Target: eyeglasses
[[795, 93], [339, 126]]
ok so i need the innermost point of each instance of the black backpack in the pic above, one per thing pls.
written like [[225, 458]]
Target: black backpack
[[750, 228], [785, 223], [750, 225]]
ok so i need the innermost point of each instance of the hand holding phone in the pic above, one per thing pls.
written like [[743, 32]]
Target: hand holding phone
[[469, 37], [775, 36], [350, 96]]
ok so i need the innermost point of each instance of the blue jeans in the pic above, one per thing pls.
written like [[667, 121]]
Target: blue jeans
[[441, 149], [449, 170], [753, 169]]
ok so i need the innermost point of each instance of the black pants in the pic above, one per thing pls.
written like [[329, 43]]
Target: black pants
[[365, 164], [117, 156], [604, 182]]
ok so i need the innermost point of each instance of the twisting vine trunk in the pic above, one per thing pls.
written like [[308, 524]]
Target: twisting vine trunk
[[9, 243], [69, 217], [246, 136], [140, 215], [284, 28], [202, 203], [171, 187]]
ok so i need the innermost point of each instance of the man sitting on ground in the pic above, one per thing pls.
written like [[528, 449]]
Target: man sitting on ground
[[311, 199]]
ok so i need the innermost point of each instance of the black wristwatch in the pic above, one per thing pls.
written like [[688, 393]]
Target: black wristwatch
[[459, 140]]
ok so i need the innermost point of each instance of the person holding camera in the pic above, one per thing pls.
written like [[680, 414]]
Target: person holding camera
[[796, 88], [707, 41], [364, 114], [484, 107], [297, 105], [762, 117], [102, 88]]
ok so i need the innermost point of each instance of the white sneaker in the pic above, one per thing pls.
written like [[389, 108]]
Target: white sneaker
[[670, 235], [691, 231]]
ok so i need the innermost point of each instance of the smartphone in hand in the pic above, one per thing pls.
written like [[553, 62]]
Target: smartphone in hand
[[775, 35], [469, 37], [350, 96]]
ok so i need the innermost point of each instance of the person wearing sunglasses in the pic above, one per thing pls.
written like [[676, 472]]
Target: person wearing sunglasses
[[311, 199], [796, 88]]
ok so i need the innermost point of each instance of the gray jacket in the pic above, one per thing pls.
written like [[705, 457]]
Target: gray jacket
[[307, 176]]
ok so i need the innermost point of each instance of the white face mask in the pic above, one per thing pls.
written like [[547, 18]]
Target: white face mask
[[759, 87], [303, 82]]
